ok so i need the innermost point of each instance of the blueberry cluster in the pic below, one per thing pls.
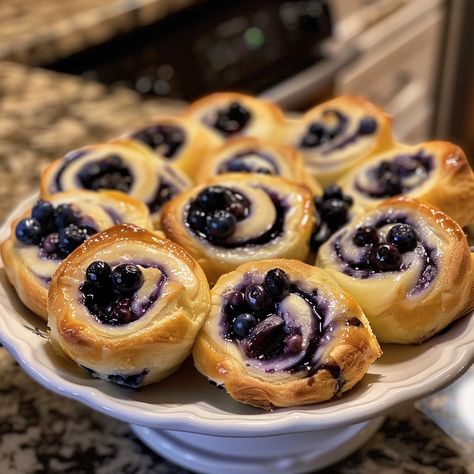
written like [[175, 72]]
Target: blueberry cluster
[[107, 293], [333, 207], [107, 173], [166, 139], [252, 318], [57, 231], [386, 256], [214, 213], [319, 133], [232, 119]]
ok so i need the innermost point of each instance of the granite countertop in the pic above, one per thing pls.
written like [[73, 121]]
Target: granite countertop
[[43, 115], [42, 31]]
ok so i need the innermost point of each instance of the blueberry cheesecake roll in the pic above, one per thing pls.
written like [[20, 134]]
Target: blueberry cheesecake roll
[[123, 166], [254, 155], [48, 232], [407, 264], [239, 218], [337, 135], [282, 333], [228, 114], [434, 172], [177, 140], [127, 305]]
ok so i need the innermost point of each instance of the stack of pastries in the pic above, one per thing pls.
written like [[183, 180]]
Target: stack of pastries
[[279, 251]]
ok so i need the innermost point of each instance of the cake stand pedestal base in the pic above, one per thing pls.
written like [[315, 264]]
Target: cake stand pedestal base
[[288, 454]]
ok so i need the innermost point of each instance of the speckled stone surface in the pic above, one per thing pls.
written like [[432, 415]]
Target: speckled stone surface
[[43, 115], [42, 31]]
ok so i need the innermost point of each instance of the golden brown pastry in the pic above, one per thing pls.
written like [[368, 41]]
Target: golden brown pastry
[[339, 134], [127, 305], [239, 218], [253, 155], [45, 234], [177, 140], [434, 172], [229, 114], [282, 333], [407, 264], [123, 166]]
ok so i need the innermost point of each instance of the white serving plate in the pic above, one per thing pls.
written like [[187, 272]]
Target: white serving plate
[[186, 402]]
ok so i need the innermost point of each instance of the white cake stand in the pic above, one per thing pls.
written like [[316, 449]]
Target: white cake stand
[[196, 425]]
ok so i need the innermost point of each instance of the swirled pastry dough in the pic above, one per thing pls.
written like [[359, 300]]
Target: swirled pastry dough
[[132, 332], [178, 140], [283, 333], [253, 155], [407, 264], [434, 172], [122, 165], [236, 218], [229, 114], [30, 267], [339, 134]]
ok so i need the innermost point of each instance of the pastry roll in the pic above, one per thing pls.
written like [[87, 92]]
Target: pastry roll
[[253, 155], [434, 172], [339, 134], [127, 305], [236, 219], [47, 233], [122, 165], [228, 114], [282, 333], [177, 140], [407, 264]]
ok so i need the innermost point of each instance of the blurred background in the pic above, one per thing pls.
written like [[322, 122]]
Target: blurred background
[[412, 57]]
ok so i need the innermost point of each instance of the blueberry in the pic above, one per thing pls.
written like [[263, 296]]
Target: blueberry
[[366, 235], [70, 238], [64, 216], [239, 210], [385, 257], [392, 185], [235, 300], [89, 230], [320, 236], [277, 283], [335, 213], [318, 202], [88, 173], [332, 192], [43, 212], [99, 273], [50, 243], [122, 312], [384, 168], [111, 163], [197, 220], [237, 165], [293, 343], [94, 296], [314, 136], [403, 236], [127, 277], [257, 297], [220, 225], [243, 324], [367, 126], [265, 337], [232, 119], [214, 198], [28, 231], [167, 139]]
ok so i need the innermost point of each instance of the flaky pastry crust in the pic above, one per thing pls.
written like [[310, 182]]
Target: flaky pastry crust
[[215, 260], [449, 186], [396, 313], [267, 120], [31, 288], [350, 348], [328, 167], [158, 341]]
